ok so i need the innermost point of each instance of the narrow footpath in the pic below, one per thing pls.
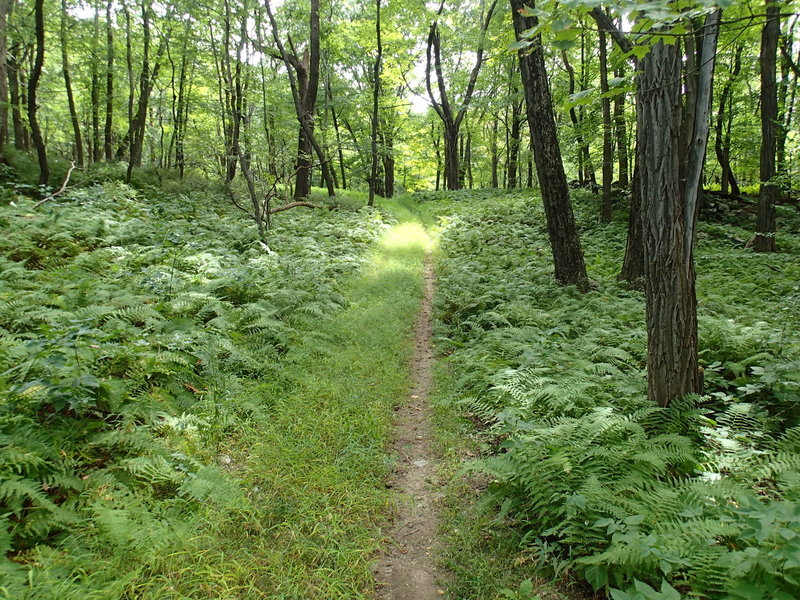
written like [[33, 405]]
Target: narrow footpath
[[406, 568]]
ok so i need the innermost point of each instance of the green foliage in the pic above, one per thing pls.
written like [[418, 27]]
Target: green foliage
[[137, 334], [647, 502]]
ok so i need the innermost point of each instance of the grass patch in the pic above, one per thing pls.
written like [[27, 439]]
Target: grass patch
[[314, 468]]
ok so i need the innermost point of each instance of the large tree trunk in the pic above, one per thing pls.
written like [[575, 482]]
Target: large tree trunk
[[33, 86], [73, 112], [765, 225], [563, 233], [669, 271]]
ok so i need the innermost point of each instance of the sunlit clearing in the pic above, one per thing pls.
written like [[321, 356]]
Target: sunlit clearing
[[407, 235]]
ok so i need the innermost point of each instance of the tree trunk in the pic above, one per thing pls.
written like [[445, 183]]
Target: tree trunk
[[16, 87], [388, 162], [450, 119], [5, 13], [768, 194], [304, 94], [585, 169], [107, 146], [669, 271], [621, 135], [722, 147], [513, 143], [376, 93], [97, 147], [633, 263], [495, 158], [33, 86], [608, 157], [697, 125], [563, 233], [73, 112]]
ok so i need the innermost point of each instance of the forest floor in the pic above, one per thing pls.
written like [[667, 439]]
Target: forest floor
[[406, 569]]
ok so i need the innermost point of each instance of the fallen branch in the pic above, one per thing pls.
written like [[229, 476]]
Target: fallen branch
[[60, 190], [278, 209]]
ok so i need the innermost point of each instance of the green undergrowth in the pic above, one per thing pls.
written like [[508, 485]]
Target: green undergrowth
[[187, 412], [584, 477]]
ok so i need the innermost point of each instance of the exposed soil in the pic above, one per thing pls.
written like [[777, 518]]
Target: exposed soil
[[406, 569]]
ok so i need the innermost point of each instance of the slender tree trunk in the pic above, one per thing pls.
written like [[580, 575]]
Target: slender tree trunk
[[97, 146], [376, 93], [468, 160], [304, 94], [722, 141], [563, 233], [452, 120], [765, 225], [606, 206], [33, 86], [495, 158], [633, 263], [513, 143], [620, 130], [388, 162], [5, 13], [339, 149], [16, 87], [73, 112], [108, 150], [585, 169]]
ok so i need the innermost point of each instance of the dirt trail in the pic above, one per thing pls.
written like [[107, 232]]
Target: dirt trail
[[406, 569]]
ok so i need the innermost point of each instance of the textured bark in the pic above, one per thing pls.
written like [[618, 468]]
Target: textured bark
[[562, 231], [73, 112], [33, 87], [768, 194], [669, 272]]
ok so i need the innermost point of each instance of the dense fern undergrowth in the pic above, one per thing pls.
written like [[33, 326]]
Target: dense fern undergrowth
[[699, 499], [139, 332]]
